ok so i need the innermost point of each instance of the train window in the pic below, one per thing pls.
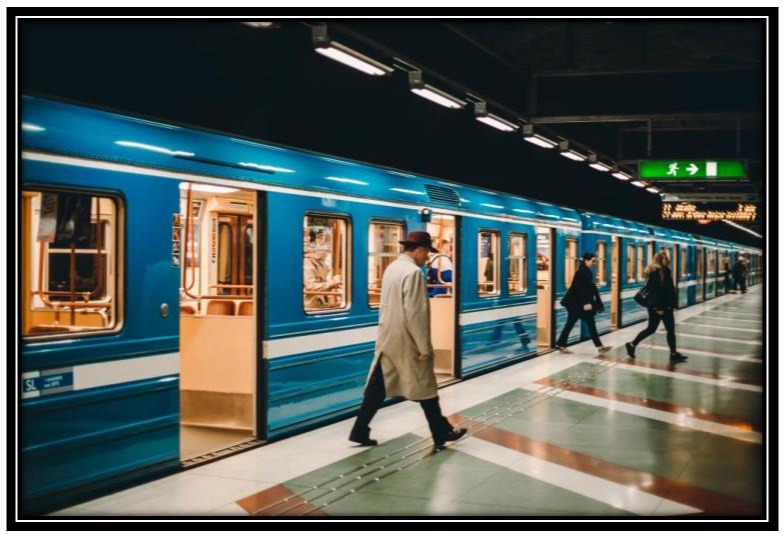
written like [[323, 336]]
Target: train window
[[630, 262], [684, 261], [601, 263], [571, 260], [699, 261], [70, 252], [235, 254], [518, 270], [711, 261], [640, 263], [487, 266], [383, 248], [325, 264]]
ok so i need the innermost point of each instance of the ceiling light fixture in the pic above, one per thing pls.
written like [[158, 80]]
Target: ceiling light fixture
[[593, 161], [531, 136], [618, 174], [563, 148], [325, 46], [433, 94], [638, 184], [481, 114]]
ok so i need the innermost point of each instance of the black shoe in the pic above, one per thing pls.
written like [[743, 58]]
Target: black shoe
[[630, 349], [363, 440], [677, 357], [453, 435]]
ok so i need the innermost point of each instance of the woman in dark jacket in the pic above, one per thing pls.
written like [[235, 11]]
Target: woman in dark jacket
[[582, 300], [662, 301]]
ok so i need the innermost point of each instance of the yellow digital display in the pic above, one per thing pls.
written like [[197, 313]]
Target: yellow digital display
[[702, 211]]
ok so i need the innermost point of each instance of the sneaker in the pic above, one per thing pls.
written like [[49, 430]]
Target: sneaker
[[603, 349], [564, 350], [677, 357], [630, 349]]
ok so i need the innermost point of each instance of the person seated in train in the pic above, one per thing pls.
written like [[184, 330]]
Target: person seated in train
[[316, 276], [440, 270], [661, 300], [582, 301]]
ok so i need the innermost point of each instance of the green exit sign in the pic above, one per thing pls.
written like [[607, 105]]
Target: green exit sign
[[679, 170]]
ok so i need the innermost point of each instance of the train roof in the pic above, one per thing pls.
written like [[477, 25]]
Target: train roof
[[53, 126]]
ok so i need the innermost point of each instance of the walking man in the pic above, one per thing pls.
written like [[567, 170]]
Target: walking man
[[404, 357]]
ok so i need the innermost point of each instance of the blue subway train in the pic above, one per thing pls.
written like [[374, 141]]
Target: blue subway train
[[185, 295]]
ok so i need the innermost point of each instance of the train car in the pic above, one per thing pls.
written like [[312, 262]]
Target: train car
[[169, 311], [185, 295], [624, 249]]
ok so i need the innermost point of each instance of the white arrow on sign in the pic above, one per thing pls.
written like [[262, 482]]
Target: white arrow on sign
[[692, 169]]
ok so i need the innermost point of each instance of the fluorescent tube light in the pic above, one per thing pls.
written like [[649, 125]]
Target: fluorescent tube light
[[481, 114], [653, 190], [537, 139], [618, 174], [593, 161], [563, 148], [638, 184], [332, 49], [431, 93]]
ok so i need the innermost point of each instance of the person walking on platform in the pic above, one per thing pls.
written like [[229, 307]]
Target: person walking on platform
[[661, 302], [404, 359], [582, 301], [739, 274]]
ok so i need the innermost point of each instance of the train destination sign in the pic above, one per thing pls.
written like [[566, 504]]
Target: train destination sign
[[709, 212], [683, 170]]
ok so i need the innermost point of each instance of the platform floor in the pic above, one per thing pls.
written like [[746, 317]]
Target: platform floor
[[559, 435]]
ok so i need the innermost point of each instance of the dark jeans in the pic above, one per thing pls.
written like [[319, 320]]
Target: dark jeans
[[740, 280], [586, 317], [375, 393], [653, 323], [727, 284]]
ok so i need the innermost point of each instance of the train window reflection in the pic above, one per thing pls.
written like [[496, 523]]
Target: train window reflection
[[601, 263], [630, 262], [684, 262], [487, 265], [518, 269], [383, 248], [571, 260], [70, 258], [325, 263], [640, 263]]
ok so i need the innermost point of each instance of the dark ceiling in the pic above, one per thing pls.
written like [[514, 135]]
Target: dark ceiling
[[626, 89]]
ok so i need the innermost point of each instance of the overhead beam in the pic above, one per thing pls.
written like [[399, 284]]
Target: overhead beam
[[635, 118], [572, 73]]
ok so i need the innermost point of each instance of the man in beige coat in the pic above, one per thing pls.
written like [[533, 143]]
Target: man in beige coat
[[404, 357]]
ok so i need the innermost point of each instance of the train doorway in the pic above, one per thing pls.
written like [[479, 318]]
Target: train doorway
[[218, 320], [442, 293], [544, 288], [615, 284]]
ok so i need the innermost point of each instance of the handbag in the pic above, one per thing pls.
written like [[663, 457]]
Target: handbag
[[643, 296]]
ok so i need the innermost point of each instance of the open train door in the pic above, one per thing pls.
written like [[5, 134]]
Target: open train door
[[219, 321]]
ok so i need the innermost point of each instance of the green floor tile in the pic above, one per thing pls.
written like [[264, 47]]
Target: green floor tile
[[725, 332], [707, 345], [513, 489]]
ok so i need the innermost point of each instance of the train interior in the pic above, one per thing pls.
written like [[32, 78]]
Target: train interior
[[441, 290], [70, 265], [544, 280], [217, 319]]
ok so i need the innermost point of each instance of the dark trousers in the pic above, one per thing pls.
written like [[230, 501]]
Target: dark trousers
[[574, 316], [375, 393], [740, 280], [727, 284], [653, 323]]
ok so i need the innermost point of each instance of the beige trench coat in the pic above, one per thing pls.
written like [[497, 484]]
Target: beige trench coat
[[404, 333]]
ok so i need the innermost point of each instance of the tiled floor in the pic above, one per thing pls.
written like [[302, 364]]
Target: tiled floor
[[560, 435]]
